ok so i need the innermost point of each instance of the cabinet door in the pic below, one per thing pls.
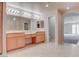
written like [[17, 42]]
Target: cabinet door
[[0, 42], [40, 37], [0, 46], [20, 42], [1, 25], [11, 43], [28, 39]]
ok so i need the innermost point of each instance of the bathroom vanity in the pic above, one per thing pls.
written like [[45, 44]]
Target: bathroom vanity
[[15, 41], [20, 40], [39, 37], [23, 28]]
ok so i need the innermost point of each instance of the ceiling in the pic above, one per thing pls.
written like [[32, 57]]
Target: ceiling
[[62, 6], [59, 5]]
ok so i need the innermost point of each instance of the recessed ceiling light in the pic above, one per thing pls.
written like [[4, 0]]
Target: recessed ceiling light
[[46, 5], [68, 8]]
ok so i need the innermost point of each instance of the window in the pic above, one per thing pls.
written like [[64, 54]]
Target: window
[[75, 29]]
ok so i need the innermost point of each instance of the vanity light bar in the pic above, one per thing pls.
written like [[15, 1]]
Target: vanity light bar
[[13, 11], [23, 13], [31, 15], [36, 16], [27, 14]]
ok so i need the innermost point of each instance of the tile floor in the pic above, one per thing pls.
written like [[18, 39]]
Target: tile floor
[[47, 50]]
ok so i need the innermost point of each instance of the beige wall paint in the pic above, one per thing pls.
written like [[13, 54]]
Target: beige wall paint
[[60, 28]]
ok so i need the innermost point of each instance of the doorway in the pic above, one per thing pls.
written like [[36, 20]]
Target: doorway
[[71, 28]]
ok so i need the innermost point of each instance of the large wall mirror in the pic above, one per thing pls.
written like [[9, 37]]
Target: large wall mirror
[[17, 23]]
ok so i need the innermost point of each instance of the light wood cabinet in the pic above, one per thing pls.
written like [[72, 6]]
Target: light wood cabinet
[[1, 25], [33, 38], [20, 41], [11, 43], [0, 42], [40, 37], [28, 39], [15, 40], [0, 45]]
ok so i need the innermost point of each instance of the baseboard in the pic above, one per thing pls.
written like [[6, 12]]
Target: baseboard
[[24, 46], [15, 49]]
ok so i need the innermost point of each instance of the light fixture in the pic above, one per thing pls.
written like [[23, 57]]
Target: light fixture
[[9, 10], [18, 11], [67, 8], [36, 16], [13, 11], [46, 5]]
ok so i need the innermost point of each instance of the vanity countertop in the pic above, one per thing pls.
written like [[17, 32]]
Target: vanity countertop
[[15, 32], [26, 32]]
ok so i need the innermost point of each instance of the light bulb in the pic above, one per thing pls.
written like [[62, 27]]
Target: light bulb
[[18, 11], [68, 8], [46, 5]]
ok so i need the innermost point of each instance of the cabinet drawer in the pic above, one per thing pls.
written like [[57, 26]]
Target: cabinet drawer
[[28, 36], [15, 34]]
